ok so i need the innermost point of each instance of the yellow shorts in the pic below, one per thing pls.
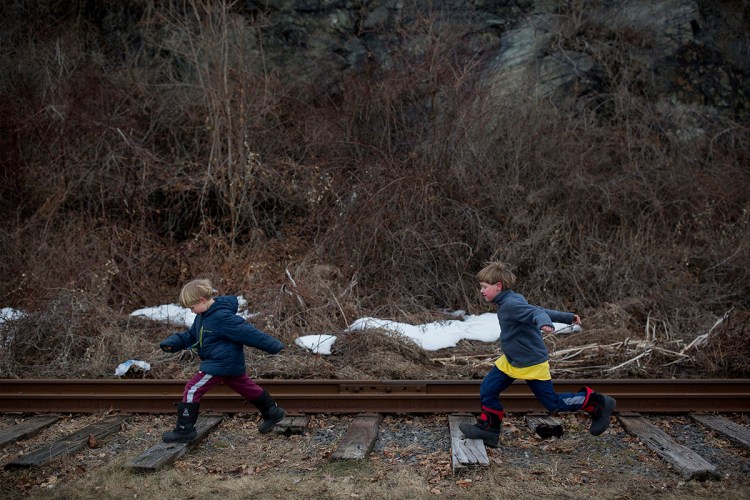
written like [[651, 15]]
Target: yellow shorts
[[533, 372]]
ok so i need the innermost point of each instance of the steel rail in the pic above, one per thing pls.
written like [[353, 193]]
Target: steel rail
[[353, 396]]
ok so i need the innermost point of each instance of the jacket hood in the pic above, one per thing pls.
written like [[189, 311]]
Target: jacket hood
[[226, 303]]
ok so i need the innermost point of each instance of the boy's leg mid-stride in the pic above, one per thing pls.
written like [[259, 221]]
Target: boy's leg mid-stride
[[597, 405], [188, 409], [489, 422], [271, 412]]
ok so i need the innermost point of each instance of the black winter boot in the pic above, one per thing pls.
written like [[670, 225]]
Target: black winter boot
[[600, 407], [271, 412], [487, 427], [184, 432]]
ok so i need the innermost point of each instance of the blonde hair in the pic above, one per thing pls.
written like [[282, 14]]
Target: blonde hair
[[497, 272], [194, 291]]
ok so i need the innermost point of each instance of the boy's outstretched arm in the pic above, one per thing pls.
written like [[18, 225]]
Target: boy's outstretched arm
[[177, 342], [563, 317], [245, 333]]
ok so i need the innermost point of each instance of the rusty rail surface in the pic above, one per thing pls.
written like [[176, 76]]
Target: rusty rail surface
[[353, 396]]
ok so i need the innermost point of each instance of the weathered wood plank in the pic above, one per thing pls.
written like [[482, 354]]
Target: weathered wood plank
[[25, 429], [686, 461], [292, 424], [465, 452], [163, 454], [732, 431], [359, 439], [544, 426], [67, 444]]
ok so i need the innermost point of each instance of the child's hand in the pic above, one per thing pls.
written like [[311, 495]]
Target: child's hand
[[576, 319], [548, 329]]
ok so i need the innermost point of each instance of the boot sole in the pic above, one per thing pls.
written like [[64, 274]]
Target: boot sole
[[179, 440], [492, 442]]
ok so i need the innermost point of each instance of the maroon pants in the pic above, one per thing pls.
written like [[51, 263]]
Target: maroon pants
[[202, 382]]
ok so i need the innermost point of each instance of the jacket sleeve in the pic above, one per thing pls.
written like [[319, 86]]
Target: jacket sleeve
[[178, 341], [530, 314], [240, 331], [560, 317]]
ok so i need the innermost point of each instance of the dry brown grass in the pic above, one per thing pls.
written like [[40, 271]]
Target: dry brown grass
[[236, 462], [37, 346]]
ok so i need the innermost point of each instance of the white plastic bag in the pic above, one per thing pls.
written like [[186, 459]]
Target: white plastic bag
[[124, 367]]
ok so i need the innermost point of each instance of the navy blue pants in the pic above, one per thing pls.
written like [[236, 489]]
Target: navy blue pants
[[496, 382]]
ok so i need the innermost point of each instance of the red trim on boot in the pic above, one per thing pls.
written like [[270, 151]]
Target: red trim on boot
[[587, 406], [500, 413]]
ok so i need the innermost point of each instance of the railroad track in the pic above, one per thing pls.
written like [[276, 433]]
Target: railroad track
[[353, 396], [117, 401]]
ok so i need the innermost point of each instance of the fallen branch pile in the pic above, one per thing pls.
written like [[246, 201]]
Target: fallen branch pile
[[625, 356]]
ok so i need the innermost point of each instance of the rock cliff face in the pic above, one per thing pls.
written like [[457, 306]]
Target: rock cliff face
[[687, 52]]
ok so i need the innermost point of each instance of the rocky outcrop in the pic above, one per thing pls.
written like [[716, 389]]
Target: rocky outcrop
[[693, 53], [549, 49]]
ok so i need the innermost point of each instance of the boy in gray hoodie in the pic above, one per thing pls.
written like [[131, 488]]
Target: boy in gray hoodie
[[525, 357]]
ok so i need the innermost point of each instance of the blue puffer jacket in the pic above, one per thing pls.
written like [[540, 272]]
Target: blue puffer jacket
[[520, 324], [219, 337]]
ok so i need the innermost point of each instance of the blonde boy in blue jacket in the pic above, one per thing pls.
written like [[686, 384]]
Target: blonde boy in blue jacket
[[219, 336]]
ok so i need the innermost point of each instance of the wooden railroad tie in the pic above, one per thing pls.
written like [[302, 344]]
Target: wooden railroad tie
[[359, 439], [26, 429], [730, 430], [686, 461], [68, 444], [163, 454], [292, 424], [465, 452]]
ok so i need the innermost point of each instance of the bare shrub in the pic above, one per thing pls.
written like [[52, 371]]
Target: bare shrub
[[72, 337], [137, 163], [724, 352]]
